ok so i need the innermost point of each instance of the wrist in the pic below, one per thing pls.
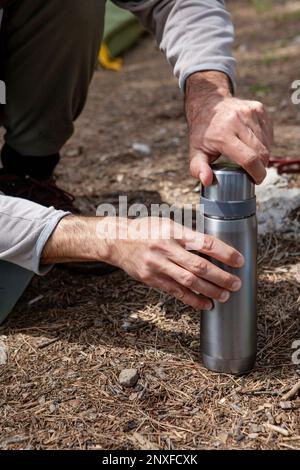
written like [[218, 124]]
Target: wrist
[[204, 90], [208, 83]]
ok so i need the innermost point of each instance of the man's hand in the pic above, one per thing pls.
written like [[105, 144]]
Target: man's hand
[[221, 124], [152, 250], [162, 260]]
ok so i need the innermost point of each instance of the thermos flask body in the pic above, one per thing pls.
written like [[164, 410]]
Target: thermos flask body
[[228, 331]]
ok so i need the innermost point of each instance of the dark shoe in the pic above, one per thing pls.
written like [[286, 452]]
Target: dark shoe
[[48, 194], [44, 192]]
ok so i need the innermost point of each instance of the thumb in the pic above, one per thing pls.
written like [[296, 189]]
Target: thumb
[[200, 167]]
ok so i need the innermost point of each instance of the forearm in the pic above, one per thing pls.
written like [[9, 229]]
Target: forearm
[[76, 239]]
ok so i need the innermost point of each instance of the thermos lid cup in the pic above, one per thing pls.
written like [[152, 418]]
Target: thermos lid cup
[[232, 193]]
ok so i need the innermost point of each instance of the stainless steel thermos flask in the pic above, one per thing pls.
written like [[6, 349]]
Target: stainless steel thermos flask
[[228, 331]]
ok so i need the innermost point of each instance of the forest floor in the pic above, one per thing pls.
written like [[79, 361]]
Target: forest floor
[[71, 335]]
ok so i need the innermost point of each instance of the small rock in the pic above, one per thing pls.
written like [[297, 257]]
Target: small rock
[[42, 400], [120, 178], [217, 444], [253, 435], [3, 354], [128, 377], [52, 408], [144, 149], [255, 428], [223, 437], [286, 405]]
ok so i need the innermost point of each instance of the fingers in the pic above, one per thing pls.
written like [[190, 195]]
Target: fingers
[[200, 167], [253, 138], [237, 128], [267, 127], [256, 131], [264, 121], [250, 146], [212, 247], [248, 158], [194, 283], [254, 124], [205, 270], [185, 295]]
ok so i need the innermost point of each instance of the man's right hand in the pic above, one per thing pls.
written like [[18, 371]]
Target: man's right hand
[[222, 124], [154, 251]]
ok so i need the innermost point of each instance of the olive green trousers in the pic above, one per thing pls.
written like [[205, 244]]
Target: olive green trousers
[[48, 55], [48, 52]]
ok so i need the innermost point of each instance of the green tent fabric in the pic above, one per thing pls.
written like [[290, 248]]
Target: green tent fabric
[[122, 30]]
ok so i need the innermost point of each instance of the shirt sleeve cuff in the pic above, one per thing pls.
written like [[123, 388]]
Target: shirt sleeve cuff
[[42, 240]]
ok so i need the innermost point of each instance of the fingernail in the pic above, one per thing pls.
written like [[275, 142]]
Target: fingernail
[[240, 260], [208, 306], [224, 296], [236, 285]]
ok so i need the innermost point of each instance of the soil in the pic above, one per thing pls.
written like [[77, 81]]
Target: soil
[[71, 335]]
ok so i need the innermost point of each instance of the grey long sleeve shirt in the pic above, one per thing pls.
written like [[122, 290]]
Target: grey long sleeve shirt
[[25, 229], [195, 35]]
